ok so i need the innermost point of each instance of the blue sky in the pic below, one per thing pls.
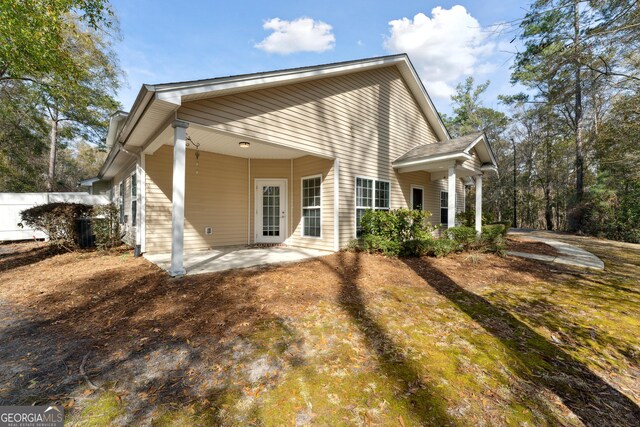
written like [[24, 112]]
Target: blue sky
[[165, 41]]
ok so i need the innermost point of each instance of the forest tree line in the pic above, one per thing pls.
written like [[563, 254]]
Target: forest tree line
[[572, 138], [575, 132]]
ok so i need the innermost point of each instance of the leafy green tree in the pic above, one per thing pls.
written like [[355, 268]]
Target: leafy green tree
[[470, 115], [612, 205], [81, 109], [569, 46], [32, 36], [76, 162], [23, 133]]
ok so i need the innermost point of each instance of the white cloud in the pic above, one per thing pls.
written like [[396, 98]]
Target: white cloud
[[443, 48], [299, 35]]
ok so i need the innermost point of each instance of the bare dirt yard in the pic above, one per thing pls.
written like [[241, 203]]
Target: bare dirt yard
[[347, 339]]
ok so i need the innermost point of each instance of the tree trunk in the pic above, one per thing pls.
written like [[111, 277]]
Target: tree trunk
[[51, 176], [548, 208], [575, 223]]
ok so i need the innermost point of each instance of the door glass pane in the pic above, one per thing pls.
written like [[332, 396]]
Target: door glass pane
[[270, 210]]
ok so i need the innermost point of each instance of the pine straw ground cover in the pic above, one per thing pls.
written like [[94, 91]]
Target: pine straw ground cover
[[348, 339]]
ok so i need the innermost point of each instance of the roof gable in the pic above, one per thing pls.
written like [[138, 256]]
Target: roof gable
[[454, 149], [160, 102]]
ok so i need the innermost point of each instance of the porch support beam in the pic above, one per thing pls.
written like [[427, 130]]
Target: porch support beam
[[479, 203], [336, 205], [177, 216], [451, 205]]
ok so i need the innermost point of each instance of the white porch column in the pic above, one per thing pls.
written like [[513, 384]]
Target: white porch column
[[336, 205], [451, 188], [177, 217], [479, 203]]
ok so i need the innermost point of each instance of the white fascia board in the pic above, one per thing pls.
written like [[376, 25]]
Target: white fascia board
[[175, 93], [483, 138], [427, 160], [489, 168], [139, 107], [89, 181]]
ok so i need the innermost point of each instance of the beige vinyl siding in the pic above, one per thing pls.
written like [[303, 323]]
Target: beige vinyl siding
[[366, 119], [432, 198], [215, 197], [308, 166], [406, 180], [125, 176], [474, 163]]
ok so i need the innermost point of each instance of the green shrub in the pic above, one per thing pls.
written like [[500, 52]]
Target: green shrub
[[373, 244], [389, 231], [497, 246], [506, 224], [398, 224], [493, 238], [106, 226], [58, 221], [354, 245], [491, 232], [465, 236], [443, 247], [416, 247]]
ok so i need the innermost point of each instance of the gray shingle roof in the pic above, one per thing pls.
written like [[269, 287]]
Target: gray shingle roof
[[453, 146]]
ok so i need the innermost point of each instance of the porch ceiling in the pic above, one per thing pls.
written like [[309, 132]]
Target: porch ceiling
[[227, 144]]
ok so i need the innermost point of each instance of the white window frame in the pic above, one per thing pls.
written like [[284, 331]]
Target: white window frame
[[121, 188], [444, 207], [420, 187], [373, 199], [302, 207], [134, 198]]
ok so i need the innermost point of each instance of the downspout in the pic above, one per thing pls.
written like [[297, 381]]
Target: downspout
[[139, 191]]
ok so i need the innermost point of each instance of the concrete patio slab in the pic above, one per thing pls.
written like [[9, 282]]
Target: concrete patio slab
[[231, 257], [569, 254]]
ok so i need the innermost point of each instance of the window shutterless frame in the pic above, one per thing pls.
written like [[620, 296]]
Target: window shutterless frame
[[121, 204], [134, 198], [303, 207], [444, 207], [372, 194]]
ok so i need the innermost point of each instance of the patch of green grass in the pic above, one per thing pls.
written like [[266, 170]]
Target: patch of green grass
[[99, 411]]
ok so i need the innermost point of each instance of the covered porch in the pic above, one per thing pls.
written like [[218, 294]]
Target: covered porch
[[469, 158], [209, 195], [231, 257]]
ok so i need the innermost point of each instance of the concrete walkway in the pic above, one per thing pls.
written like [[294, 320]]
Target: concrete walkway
[[230, 257], [569, 254]]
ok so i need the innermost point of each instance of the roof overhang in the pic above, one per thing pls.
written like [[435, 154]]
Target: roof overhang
[[89, 182], [157, 105], [455, 156], [160, 102]]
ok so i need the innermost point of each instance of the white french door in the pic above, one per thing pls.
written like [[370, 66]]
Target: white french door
[[271, 210]]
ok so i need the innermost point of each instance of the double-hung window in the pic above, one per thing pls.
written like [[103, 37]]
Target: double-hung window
[[444, 207], [370, 194], [134, 198], [311, 202], [121, 200]]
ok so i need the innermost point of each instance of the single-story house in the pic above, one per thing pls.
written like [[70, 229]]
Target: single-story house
[[289, 157]]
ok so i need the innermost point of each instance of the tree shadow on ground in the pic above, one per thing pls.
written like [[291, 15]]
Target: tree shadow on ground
[[159, 338], [589, 397], [17, 259], [419, 395]]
